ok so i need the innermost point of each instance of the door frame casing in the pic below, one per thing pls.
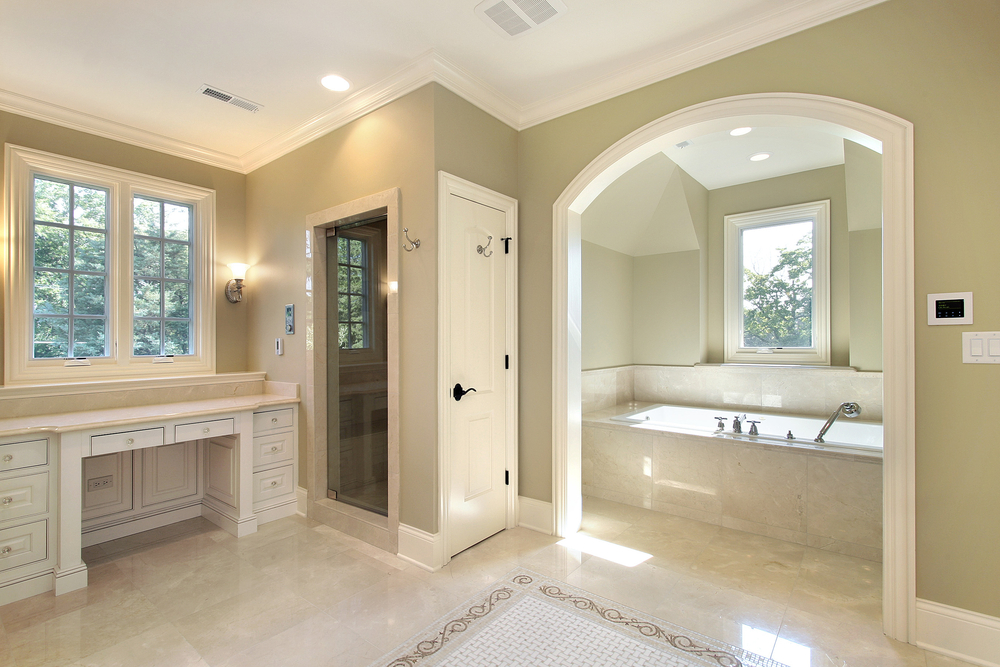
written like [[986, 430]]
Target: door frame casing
[[378, 530], [449, 185], [896, 137]]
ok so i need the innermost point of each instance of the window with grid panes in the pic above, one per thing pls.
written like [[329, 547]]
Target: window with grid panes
[[352, 293], [114, 269]]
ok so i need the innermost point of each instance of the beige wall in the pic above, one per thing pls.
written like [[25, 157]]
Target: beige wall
[[800, 188], [230, 203], [402, 144], [667, 309], [607, 307], [934, 64]]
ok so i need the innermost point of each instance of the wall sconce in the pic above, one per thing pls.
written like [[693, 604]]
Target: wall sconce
[[234, 288]]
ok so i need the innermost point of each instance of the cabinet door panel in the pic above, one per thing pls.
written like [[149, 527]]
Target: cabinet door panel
[[107, 485], [169, 473]]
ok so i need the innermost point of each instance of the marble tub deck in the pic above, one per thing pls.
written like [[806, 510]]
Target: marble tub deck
[[819, 498], [298, 593]]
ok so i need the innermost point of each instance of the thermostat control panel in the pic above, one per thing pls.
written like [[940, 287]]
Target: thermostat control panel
[[949, 308]]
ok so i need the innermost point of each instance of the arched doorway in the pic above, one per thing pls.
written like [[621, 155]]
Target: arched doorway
[[895, 139]]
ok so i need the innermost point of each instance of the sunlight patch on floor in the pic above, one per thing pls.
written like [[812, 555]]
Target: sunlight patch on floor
[[606, 550]]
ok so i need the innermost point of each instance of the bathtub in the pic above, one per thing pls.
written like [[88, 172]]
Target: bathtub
[[846, 435]]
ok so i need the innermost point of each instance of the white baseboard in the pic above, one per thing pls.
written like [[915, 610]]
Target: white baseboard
[[25, 588], [535, 515], [423, 549], [231, 525], [302, 500], [94, 536], [275, 512], [958, 633]]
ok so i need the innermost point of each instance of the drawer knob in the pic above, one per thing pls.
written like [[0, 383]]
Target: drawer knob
[[274, 420], [130, 441], [206, 430], [5, 551], [8, 458], [274, 483], [274, 449], [7, 500]]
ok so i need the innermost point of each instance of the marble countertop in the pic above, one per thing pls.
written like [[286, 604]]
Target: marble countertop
[[62, 422]]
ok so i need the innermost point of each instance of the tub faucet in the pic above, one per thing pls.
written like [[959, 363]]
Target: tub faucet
[[737, 427], [721, 426], [850, 410], [753, 426]]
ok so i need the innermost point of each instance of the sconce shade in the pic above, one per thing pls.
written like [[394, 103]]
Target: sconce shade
[[239, 271]]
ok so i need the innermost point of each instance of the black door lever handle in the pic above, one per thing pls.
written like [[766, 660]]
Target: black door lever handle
[[458, 392]]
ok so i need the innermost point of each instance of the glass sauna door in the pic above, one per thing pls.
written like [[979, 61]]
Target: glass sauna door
[[357, 369]]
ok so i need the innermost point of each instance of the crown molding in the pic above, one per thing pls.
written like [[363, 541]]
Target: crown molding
[[765, 28], [427, 68], [29, 107], [432, 67]]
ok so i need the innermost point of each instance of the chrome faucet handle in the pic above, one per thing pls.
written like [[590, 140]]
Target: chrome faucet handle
[[722, 423], [737, 427], [753, 426]]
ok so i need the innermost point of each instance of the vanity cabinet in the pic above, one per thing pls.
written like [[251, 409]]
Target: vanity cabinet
[[27, 517], [274, 458]]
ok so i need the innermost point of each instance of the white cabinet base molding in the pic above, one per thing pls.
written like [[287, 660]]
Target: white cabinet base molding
[[958, 633], [534, 515]]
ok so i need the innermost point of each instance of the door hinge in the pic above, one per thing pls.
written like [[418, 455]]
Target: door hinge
[[506, 244], [506, 477], [506, 362]]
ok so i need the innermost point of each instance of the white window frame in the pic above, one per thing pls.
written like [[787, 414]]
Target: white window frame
[[21, 167], [818, 213]]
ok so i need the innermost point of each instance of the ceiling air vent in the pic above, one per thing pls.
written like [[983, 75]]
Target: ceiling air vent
[[513, 18], [229, 98]]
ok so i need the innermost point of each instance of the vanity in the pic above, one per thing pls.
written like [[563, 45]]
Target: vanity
[[72, 479]]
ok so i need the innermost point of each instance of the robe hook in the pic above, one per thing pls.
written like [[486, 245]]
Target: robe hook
[[482, 249], [413, 244]]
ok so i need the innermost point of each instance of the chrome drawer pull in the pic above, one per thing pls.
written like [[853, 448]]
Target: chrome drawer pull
[[7, 500], [206, 430], [130, 441], [274, 420], [8, 458], [274, 483], [5, 551], [274, 449]]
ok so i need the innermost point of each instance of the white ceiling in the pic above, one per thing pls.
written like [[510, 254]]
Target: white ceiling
[[132, 70]]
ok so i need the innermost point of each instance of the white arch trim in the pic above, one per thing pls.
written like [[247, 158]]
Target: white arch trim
[[871, 127]]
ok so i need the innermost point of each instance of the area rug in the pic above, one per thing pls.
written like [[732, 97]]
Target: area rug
[[527, 619]]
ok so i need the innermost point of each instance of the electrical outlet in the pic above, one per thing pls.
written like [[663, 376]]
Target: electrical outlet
[[98, 483]]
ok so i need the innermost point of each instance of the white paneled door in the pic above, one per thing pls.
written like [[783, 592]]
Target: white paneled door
[[476, 368]]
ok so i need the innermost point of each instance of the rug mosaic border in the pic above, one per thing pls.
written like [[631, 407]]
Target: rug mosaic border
[[433, 644]]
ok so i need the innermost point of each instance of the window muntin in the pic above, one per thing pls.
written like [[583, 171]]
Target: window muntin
[[69, 269], [352, 293], [162, 278], [778, 285], [70, 229]]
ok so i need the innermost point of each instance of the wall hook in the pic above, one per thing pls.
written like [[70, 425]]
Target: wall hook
[[482, 249], [413, 244]]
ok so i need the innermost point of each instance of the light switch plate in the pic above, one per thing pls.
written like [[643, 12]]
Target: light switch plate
[[981, 347]]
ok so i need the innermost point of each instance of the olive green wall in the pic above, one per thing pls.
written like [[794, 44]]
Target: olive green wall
[[607, 307], [807, 186], [666, 291], [402, 144], [230, 210], [934, 64]]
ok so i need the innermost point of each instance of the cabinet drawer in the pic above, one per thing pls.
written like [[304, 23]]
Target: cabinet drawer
[[199, 430], [121, 442], [272, 420], [268, 449], [22, 545], [23, 455], [24, 496], [271, 484]]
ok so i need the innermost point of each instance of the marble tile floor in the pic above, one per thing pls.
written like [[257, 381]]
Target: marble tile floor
[[298, 593]]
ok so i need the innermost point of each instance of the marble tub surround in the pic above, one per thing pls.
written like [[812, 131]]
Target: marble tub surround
[[607, 387], [31, 400], [814, 392], [827, 500]]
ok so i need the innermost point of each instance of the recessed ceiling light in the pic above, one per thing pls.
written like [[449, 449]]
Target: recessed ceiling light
[[740, 131], [336, 83], [757, 157]]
